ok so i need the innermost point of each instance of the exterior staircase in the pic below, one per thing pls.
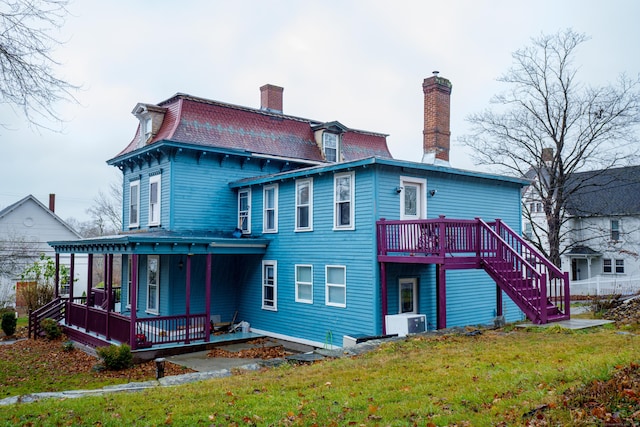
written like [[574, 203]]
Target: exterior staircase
[[538, 287], [54, 309]]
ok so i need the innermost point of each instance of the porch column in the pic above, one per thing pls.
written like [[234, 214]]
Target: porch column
[[72, 269], [207, 300], [588, 267], [383, 297], [441, 295], [187, 305], [108, 288], [89, 287], [56, 280], [133, 259]]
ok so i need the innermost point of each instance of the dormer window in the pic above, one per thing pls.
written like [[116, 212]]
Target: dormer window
[[330, 146], [147, 128], [150, 117]]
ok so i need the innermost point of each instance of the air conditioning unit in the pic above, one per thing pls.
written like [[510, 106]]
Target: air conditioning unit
[[406, 323]]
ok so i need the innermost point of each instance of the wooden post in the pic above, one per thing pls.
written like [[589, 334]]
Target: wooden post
[[109, 289], [134, 300], [441, 296], [72, 269], [383, 297], [57, 277], [207, 300], [567, 294], [89, 287], [187, 307], [498, 301]]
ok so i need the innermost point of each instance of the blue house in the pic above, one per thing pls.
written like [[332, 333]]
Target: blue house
[[304, 230]]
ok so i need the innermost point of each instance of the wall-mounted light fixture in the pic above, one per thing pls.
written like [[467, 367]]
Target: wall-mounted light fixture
[[399, 189], [433, 192]]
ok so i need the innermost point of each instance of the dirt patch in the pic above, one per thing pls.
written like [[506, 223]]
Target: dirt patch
[[261, 348]]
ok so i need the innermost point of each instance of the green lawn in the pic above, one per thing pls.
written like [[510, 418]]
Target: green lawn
[[490, 379]]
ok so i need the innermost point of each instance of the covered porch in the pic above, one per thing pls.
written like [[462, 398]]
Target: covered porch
[[182, 267]]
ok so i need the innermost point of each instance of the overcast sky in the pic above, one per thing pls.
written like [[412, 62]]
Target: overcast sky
[[359, 62]]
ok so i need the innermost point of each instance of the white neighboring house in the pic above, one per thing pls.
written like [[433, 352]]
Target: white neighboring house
[[25, 228], [601, 244]]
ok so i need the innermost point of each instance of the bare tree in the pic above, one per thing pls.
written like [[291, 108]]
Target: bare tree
[[551, 125], [106, 211], [28, 79]]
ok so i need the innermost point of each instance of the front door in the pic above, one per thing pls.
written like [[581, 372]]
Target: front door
[[408, 295]]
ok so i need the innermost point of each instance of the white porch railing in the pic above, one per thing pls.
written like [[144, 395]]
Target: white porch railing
[[606, 285]]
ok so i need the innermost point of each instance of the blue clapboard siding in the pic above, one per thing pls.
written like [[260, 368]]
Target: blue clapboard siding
[[323, 246]]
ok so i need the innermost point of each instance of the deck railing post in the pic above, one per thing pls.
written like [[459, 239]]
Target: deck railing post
[[442, 236], [542, 306], [567, 294]]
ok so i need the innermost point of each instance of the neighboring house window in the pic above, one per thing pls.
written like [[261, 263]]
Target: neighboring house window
[[413, 203], [270, 214], [615, 230], [528, 231], [330, 146], [269, 285], [153, 284], [134, 204], [336, 285], [304, 284], [304, 205], [343, 195], [155, 197], [608, 265], [244, 210]]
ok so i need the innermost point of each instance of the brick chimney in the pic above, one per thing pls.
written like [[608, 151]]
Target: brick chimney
[[436, 133], [52, 202], [271, 98]]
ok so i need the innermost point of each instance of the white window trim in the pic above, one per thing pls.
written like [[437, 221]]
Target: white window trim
[[132, 184], [414, 291], [325, 134], [298, 282], [157, 309], [352, 201], [273, 187], [273, 264], [299, 182], [155, 179], [422, 214], [335, 285], [248, 211]]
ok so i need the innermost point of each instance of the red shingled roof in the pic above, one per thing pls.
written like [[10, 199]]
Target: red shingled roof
[[208, 123]]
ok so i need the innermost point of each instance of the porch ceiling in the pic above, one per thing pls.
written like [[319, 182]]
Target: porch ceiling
[[164, 242]]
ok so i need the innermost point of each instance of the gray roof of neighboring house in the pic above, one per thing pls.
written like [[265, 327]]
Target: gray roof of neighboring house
[[605, 192]]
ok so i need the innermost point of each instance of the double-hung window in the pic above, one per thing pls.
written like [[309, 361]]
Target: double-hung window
[[613, 265], [155, 197], [304, 205], [336, 285], [343, 198], [615, 230], [269, 285], [134, 203], [270, 214], [304, 284], [244, 210], [153, 284], [330, 146]]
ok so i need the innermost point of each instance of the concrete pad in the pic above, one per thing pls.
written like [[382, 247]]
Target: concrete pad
[[198, 361], [571, 323]]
